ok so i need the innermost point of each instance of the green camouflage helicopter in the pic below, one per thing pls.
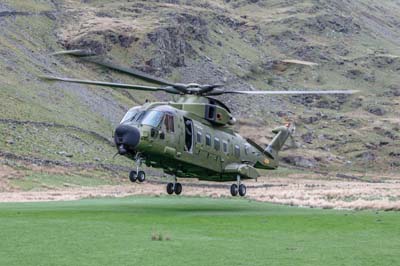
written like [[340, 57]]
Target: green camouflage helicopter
[[192, 137]]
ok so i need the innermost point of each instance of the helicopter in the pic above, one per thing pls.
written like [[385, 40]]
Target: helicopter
[[192, 137]]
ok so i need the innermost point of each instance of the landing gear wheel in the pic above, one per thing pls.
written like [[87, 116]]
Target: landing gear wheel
[[178, 188], [242, 190], [133, 176], [141, 176], [170, 188], [234, 190]]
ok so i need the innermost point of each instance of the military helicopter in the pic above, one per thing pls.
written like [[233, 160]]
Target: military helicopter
[[192, 137]]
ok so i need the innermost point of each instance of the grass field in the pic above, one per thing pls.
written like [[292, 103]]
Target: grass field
[[195, 231]]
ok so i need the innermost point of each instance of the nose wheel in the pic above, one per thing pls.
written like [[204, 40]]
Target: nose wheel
[[238, 188], [141, 176], [133, 176], [137, 174]]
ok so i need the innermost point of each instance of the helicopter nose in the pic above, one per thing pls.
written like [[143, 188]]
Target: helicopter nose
[[126, 138]]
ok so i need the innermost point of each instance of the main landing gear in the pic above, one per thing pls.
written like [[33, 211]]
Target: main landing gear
[[137, 174], [238, 188], [174, 187]]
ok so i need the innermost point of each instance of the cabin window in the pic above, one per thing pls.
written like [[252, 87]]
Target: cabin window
[[216, 144], [210, 112], [237, 151], [199, 136], [189, 135], [169, 123], [208, 140], [225, 146], [246, 149]]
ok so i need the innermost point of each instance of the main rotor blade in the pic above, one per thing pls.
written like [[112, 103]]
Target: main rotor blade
[[89, 57], [77, 52], [204, 89], [107, 84], [295, 92], [130, 71]]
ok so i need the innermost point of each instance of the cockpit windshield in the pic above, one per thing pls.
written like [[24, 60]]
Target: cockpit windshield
[[153, 118], [131, 115]]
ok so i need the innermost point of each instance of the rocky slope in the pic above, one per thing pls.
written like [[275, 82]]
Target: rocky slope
[[241, 43]]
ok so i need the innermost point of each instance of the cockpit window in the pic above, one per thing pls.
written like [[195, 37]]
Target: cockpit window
[[153, 118], [139, 116], [130, 115]]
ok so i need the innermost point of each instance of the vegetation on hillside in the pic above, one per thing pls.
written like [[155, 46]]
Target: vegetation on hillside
[[241, 43]]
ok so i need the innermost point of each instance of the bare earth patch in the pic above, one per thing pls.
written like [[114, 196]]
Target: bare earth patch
[[289, 191], [298, 188], [333, 194]]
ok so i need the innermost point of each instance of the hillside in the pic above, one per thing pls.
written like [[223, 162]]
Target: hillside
[[356, 45]]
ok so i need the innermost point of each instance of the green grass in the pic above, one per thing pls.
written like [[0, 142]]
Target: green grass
[[202, 231], [40, 141], [32, 5]]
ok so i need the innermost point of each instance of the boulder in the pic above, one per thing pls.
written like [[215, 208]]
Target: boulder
[[310, 119], [379, 111], [367, 156], [300, 161], [308, 137]]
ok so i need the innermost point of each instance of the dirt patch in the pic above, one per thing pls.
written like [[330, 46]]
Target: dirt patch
[[7, 172], [335, 194], [299, 188]]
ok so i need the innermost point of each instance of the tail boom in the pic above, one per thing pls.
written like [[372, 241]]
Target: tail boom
[[270, 156]]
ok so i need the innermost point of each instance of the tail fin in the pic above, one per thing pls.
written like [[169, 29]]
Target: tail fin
[[282, 134]]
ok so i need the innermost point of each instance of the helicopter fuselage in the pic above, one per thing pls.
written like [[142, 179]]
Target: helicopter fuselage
[[185, 144]]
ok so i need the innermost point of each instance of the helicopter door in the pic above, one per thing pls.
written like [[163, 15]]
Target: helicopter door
[[189, 136]]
